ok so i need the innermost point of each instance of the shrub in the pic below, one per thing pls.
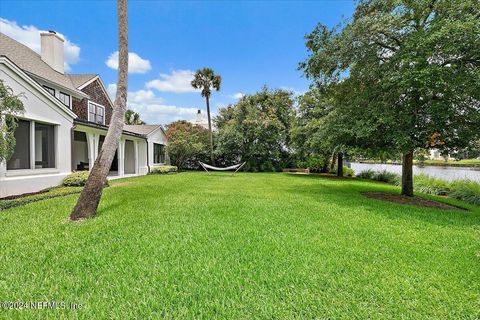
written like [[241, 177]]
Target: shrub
[[465, 190], [76, 179], [388, 177], [366, 174], [164, 170], [430, 185], [315, 164], [347, 172]]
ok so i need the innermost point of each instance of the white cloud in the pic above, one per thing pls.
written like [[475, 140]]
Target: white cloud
[[238, 95], [178, 81], [152, 109], [136, 64], [30, 36]]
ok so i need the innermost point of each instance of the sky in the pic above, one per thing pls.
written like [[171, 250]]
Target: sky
[[249, 43]]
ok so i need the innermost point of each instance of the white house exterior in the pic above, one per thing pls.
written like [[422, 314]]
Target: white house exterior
[[156, 141], [65, 121]]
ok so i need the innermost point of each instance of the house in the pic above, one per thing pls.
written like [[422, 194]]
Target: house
[[65, 121]]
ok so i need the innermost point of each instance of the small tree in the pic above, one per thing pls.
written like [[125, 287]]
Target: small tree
[[206, 80], [11, 106], [87, 204], [187, 144], [132, 118]]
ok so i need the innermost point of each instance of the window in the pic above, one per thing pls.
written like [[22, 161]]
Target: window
[[21, 155], [50, 90], [96, 113], [158, 153], [44, 146], [65, 99]]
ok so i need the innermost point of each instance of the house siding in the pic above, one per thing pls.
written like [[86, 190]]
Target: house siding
[[97, 95]]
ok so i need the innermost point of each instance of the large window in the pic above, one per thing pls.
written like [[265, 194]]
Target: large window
[[40, 146], [158, 153], [96, 113], [21, 156], [44, 146], [64, 98]]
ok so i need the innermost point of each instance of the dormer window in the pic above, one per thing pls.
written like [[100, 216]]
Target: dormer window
[[64, 98], [96, 113], [50, 90]]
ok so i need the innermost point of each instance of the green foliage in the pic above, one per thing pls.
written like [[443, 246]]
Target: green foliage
[[11, 106], [187, 144], [465, 190], [388, 177], [315, 164], [164, 170], [256, 130], [132, 118], [366, 174], [44, 194], [205, 79], [347, 172], [76, 179], [426, 184]]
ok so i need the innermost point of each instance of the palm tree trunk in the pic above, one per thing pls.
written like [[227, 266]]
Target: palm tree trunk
[[407, 174], [210, 129], [87, 204]]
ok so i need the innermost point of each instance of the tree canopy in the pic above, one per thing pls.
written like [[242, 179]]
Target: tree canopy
[[11, 106], [132, 117], [257, 130], [405, 72], [187, 144]]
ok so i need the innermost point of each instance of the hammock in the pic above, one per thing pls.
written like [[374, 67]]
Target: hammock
[[234, 167]]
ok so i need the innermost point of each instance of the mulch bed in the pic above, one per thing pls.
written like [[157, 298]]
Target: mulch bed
[[416, 201]]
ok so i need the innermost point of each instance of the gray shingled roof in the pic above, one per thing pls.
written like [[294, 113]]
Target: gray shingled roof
[[141, 129], [31, 62], [79, 79]]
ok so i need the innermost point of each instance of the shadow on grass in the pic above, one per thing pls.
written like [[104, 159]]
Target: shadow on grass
[[347, 195]]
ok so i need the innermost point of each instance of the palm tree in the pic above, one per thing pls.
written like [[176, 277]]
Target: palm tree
[[87, 204], [206, 80], [132, 117]]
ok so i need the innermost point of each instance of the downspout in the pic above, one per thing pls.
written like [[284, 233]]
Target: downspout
[[148, 158]]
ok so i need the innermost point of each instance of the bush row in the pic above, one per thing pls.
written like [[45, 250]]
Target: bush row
[[164, 170], [465, 190]]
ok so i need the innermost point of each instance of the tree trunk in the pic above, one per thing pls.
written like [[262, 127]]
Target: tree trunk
[[87, 204], [407, 174], [340, 165], [207, 98], [334, 160]]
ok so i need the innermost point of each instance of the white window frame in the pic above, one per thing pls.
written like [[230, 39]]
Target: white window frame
[[32, 169], [96, 106], [69, 99]]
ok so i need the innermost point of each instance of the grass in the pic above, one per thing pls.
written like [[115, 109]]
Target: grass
[[246, 246], [46, 194], [464, 162]]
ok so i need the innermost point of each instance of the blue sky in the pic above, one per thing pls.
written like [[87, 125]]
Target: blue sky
[[250, 44]]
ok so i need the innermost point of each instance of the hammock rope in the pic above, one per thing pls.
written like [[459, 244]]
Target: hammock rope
[[234, 167]]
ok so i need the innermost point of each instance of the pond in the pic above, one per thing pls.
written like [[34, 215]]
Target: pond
[[441, 172]]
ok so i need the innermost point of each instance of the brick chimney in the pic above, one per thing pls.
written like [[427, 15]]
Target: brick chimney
[[52, 50]]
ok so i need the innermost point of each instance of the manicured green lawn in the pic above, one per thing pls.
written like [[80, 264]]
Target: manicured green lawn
[[271, 246]]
